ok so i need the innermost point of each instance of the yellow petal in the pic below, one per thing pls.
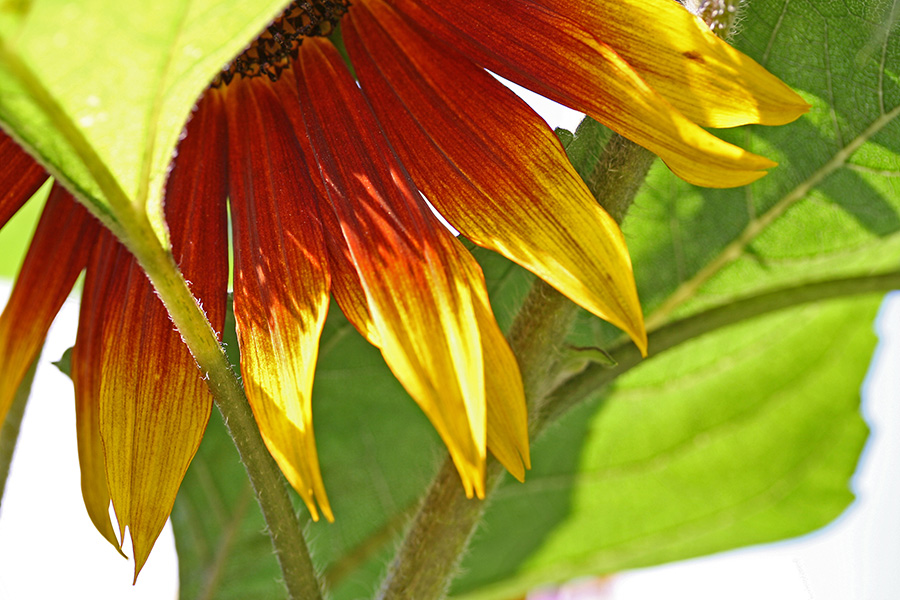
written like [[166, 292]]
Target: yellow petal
[[281, 279], [707, 80], [86, 376], [153, 407]]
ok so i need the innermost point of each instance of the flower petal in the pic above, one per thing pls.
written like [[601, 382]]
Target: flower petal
[[58, 253], [710, 82], [424, 292], [20, 177], [96, 299], [281, 278], [491, 166], [153, 408], [153, 402], [572, 67], [345, 284]]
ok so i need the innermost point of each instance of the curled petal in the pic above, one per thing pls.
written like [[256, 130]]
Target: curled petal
[[491, 166], [424, 292], [578, 70], [281, 278], [707, 80]]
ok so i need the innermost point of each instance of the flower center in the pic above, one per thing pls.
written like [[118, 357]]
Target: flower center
[[272, 51]]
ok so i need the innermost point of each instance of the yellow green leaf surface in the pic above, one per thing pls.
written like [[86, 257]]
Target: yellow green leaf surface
[[100, 89]]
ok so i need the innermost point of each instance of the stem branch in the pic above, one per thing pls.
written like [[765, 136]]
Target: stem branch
[[595, 377]]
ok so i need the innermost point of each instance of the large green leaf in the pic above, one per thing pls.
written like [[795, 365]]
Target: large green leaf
[[745, 436], [101, 88]]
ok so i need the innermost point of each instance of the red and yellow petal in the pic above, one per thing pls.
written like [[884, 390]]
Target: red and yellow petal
[[491, 166], [424, 293], [58, 253], [97, 298], [153, 407], [707, 80], [281, 278], [20, 177], [138, 388], [574, 68]]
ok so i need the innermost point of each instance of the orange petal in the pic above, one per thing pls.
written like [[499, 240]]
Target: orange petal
[[572, 67], [424, 292], [59, 251], [491, 166], [710, 82], [152, 402], [20, 177], [281, 278]]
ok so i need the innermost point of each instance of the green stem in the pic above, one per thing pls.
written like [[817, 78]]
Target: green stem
[[284, 527], [618, 174], [593, 379], [439, 534], [9, 433]]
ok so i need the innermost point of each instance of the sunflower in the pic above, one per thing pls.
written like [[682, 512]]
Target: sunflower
[[328, 173]]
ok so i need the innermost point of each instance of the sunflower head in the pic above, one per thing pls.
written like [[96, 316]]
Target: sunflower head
[[276, 47]]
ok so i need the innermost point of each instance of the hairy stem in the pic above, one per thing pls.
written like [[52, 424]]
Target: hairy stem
[[283, 525], [439, 534]]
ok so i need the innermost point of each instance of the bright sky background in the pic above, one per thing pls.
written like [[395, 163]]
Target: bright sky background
[[49, 549]]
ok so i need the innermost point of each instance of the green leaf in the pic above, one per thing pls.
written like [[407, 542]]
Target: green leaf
[[100, 90], [690, 454]]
